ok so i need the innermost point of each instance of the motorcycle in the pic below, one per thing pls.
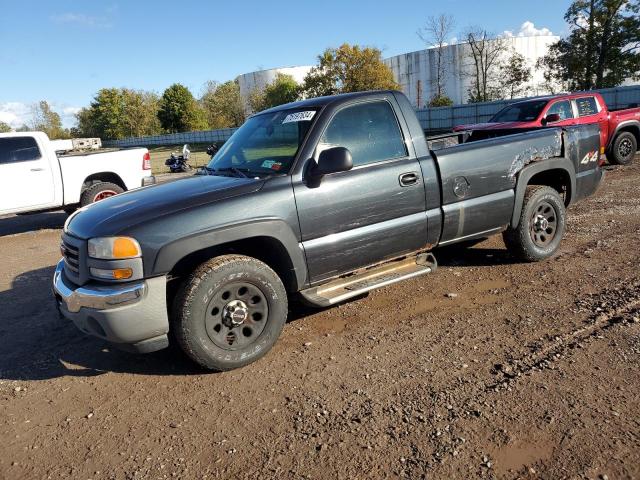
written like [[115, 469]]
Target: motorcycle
[[179, 163], [212, 149]]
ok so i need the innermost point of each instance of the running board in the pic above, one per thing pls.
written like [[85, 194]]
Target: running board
[[341, 289]]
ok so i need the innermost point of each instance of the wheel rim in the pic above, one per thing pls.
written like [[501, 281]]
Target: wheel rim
[[624, 148], [236, 315], [543, 224], [104, 194]]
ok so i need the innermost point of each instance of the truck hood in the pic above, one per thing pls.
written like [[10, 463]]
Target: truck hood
[[116, 214], [491, 126]]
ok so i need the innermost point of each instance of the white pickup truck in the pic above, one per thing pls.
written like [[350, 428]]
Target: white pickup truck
[[34, 176]]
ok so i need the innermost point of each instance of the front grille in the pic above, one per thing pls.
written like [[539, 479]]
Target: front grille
[[71, 257], [74, 265]]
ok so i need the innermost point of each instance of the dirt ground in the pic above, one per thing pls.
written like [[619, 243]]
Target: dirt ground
[[488, 368]]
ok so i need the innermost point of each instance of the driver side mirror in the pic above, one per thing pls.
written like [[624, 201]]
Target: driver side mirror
[[551, 118], [333, 160]]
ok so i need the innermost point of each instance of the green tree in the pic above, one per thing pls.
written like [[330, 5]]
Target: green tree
[[5, 128], [440, 101], [283, 89], [515, 74], [44, 119], [348, 68], [602, 48], [118, 113], [223, 105], [179, 111]]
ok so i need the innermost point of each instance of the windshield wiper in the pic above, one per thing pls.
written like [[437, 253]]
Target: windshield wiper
[[242, 172]]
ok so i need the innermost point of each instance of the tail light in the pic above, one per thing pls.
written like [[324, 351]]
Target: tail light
[[146, 161]]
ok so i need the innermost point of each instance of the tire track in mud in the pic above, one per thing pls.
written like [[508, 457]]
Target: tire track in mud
[[610, 308]]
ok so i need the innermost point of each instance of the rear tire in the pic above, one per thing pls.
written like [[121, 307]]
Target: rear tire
[[623, 149], [99, 191], [541, 225], [229, 312]]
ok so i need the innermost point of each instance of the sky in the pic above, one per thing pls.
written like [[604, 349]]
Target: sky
[[64, 51]]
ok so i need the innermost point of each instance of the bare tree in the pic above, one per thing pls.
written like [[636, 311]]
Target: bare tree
[[486, 53], [435, 33]]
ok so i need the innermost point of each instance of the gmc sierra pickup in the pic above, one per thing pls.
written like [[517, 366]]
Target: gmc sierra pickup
[[619, 129], [327, 198]]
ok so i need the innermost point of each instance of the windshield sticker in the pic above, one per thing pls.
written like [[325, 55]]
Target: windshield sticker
[[299, 116], [268, 163]]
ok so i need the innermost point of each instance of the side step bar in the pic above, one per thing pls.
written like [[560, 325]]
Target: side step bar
[[341, 289]]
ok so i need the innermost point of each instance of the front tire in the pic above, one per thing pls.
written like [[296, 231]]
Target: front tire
[[623, 149], [229, 312], [541, 226]]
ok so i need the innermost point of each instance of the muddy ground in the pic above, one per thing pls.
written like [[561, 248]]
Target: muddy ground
[[528, 371]]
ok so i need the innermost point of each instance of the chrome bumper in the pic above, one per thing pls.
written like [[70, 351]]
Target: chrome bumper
[[96, 297], [132, 316]]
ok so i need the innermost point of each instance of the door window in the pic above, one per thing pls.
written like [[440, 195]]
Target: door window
[[18, 149], [369, 130], [586, 106], [563, 109]]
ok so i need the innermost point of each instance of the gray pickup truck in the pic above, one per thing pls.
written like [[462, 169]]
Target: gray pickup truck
[[325, 199]]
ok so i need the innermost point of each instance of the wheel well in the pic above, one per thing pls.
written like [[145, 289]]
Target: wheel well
[[558, 179], [633, 129], [266, 249], [103, 177]]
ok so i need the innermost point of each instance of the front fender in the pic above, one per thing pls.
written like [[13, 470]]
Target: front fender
[[277, 229]]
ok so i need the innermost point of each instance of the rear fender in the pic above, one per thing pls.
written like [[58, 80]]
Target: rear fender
[[528, 172]]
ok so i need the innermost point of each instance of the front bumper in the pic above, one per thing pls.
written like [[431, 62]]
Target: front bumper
[[133, 316]]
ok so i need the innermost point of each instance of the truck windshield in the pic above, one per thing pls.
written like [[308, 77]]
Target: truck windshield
[[520, 112], [265, 144]]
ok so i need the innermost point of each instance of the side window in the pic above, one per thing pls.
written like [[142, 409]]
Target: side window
[[369, 130], [18, 149], [586, 106], [563, 109]]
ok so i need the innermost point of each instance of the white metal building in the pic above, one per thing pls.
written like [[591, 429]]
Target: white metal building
[[248, 82], [415, 71]]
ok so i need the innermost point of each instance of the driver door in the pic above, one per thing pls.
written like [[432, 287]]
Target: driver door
[[373, 212]]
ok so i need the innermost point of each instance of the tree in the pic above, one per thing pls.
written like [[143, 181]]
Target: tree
[[348, 68], [435, 34], [485, 52], [118, 113], [179, 111], [5, 128], [43, 119], [602, 48], [283, 89], [515, 73], [223, 104], [140, 113]]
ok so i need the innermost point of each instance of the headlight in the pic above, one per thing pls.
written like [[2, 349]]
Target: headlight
[[114, 248]]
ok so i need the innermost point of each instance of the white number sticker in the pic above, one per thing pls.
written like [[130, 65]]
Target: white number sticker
[[299, 116]]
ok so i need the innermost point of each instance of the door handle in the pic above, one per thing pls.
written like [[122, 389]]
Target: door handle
[[37, 169], [408, 179]]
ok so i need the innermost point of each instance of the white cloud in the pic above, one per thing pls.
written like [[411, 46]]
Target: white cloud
[[17, 114], [82, 19], [528, 29]]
